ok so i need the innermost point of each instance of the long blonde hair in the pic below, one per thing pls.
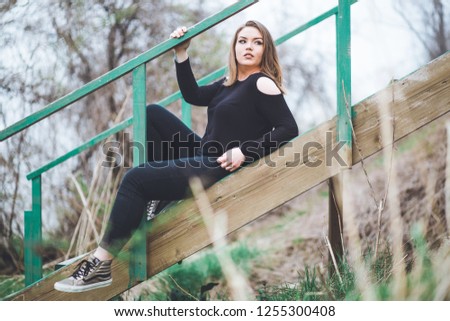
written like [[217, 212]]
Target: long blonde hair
[[269, 62]]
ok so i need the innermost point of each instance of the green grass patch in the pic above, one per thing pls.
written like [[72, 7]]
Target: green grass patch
[[10, 284], [422, 278], [298, 241], [194, 278]]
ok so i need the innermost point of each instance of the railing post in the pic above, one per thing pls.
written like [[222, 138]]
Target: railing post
[[344, 127], [33, 235], [138, 250], [186, 113], [343, 60]]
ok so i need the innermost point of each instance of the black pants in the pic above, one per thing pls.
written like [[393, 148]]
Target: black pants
[[174, 156]]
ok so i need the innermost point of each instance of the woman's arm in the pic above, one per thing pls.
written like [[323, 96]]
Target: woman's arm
[[180, 50], [273, 107], [192, 93]]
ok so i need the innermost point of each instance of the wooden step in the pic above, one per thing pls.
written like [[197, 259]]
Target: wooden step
[[179, 232]]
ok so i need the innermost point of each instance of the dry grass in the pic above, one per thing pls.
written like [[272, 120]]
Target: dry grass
[[96, 201], [383, 219], [386, 196], [216, 225]]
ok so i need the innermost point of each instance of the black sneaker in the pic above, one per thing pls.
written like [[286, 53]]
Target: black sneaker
[[151, 209], [89, 275], [156, 207]]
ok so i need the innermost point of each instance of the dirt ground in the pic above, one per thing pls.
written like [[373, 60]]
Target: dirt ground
[[292, 236], [289, 238]]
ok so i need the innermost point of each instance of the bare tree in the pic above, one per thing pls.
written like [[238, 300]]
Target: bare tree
[[429, 22], [50, 48]]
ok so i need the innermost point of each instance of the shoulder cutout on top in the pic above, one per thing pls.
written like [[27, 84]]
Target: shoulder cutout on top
[[267, 86]]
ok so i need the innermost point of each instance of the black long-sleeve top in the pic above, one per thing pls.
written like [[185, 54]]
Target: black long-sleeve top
[[239, 115]]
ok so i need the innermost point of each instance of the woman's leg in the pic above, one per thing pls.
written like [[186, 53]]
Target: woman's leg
[[163, 178], [168, 137], [154, 180], [159, 179]]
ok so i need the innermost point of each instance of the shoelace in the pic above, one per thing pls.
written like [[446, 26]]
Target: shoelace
[[151, 208], [83, 269]]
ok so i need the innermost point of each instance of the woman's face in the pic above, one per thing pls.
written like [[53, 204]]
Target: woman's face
[[249, 48]]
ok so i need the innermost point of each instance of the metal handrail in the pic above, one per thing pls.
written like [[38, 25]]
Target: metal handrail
[[124, 69], [137, 65], [33, 218], [175, 96]]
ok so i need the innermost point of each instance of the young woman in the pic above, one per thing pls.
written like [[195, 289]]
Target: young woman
[[247, 119]]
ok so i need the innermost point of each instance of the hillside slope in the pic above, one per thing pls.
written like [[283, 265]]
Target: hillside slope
[[292, 236]]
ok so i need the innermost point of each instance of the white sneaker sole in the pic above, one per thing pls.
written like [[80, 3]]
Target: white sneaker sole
[[84, 288]]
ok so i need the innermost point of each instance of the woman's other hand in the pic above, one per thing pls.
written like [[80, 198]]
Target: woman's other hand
[[181, 49], [232, 159]]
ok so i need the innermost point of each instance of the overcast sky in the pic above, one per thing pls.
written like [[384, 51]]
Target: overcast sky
[[382, 45]]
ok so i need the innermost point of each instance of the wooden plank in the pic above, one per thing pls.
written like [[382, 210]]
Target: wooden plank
[[416, 100], [176, 234], [335, 219], [251, 193], [43, 290]]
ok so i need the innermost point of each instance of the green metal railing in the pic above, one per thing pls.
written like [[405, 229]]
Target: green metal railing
[[343, 69], [137, 66], [124, 69], [33, 226]]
